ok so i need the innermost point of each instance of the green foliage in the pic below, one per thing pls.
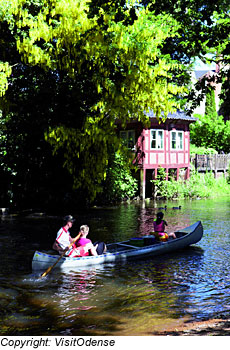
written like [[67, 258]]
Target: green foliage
[[204, 29], [122, 56], [119, 184], [106, 60], [201, 150], [5, 72], [159, 184], [85, 152], [210, 103], [119, 58], [35, 101], [211, 132], [197, 186]]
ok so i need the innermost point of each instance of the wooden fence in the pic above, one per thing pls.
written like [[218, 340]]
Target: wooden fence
[[217, 163]]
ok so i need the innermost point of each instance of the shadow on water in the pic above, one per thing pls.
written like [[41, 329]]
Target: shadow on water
[[134, 298], [97, 301], [53, 306]]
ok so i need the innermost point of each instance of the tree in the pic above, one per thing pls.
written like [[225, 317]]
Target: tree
[[104, 50], [113, 61], [119, 184], [210, 103], [211, 132], [204, 29], [31, 105]]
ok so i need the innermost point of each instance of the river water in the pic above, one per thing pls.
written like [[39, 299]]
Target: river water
[[135, 298]]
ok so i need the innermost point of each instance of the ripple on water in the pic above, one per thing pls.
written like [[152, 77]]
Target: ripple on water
[[136, 297]]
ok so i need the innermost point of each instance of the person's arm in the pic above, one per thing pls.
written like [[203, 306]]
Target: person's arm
[[72, 239], [93, 250], [89, 247]]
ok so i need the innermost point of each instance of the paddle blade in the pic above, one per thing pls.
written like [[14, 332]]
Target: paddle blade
[[50, 268], [46, 272]]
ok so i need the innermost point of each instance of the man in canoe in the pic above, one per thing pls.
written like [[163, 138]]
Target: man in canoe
[[64, 239]]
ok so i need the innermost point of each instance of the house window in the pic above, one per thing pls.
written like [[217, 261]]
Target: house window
[[177, 140], [157, 139], [128, 138]]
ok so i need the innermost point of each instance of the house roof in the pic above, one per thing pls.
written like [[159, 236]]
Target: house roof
[[201, 73], [178, 115]]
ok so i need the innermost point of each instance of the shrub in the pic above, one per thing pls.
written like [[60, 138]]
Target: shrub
[[201, 150], [197, 186], [211, 132], [119, 184]]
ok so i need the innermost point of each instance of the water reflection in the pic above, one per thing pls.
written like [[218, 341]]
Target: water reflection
[[134, 298]]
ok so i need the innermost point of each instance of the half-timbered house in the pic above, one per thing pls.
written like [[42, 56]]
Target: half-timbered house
[[165, 144]]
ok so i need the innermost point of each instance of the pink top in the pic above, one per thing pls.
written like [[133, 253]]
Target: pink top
[[82, 241], [159, 227]]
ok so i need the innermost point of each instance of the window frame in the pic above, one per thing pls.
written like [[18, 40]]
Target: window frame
[[126, 139], [157, 131], [179, 142]]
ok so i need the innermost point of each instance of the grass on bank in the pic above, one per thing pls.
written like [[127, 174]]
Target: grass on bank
[[197, 186]]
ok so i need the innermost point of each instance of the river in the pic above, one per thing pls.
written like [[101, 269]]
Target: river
[[135, 298]]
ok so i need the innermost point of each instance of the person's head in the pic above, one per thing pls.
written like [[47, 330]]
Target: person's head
[[68, 220], [84, 229], [160, 215]]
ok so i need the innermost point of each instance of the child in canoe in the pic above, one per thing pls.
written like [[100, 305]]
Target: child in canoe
[[159, 228]]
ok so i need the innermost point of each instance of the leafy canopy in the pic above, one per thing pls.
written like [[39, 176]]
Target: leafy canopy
[[211, 131], [129, 71], [121, 55]]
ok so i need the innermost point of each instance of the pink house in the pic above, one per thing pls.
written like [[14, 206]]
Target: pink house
[[164, 145]]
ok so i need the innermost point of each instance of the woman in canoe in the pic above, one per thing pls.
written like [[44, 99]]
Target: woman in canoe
[[86, 246], [159, 228]]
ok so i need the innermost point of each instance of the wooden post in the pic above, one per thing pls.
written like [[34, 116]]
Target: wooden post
[[167, 174], [177, 173], [215, 165], [142, 183], [196, 156], [187, 173]]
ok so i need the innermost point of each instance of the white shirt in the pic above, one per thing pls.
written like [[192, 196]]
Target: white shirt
[[63, 238]]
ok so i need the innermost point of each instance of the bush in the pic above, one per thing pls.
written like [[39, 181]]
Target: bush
[[119, 184], [201, 150], [211, 132], [197, 186]]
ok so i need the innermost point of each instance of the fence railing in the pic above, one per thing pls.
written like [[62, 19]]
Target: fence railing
[[211, 162]]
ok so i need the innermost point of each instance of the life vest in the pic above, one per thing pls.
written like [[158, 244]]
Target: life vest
[[161, 236]]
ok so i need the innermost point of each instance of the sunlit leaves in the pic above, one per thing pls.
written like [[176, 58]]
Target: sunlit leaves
[[123, 60], [5, 72], [85, 153], [62, 36]]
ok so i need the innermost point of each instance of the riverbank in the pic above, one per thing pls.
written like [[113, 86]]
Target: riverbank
[[212, 327], [199, 185]]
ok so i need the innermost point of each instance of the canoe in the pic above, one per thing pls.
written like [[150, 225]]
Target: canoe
[[136, 248]]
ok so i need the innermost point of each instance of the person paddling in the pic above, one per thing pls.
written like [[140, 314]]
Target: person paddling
[[64, 239]]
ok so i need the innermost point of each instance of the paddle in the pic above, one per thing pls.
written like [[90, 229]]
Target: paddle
[[66, 249]]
